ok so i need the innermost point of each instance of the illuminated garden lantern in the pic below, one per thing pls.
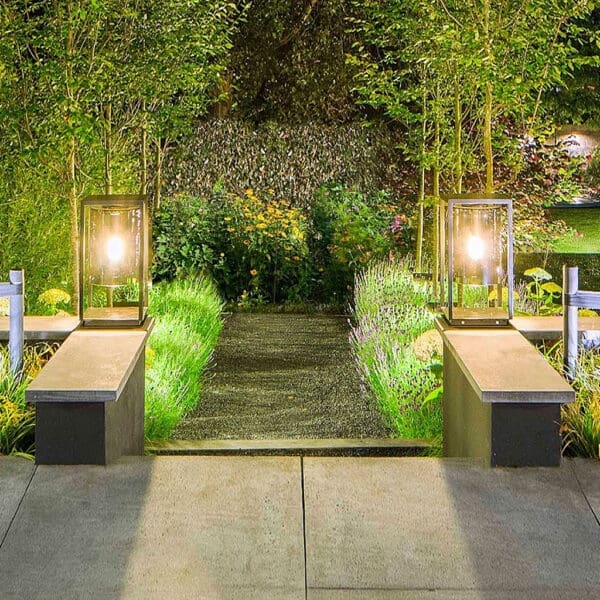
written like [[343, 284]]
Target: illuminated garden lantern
[[478, 261], [113, 280]]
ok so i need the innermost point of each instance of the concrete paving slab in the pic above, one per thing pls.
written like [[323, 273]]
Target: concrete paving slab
[[551, 328], [91, 366], [170, 527], [420, 524], [502, 366], [588, 475], [15, 474]]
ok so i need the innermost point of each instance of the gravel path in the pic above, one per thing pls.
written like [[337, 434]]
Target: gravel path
[[283, 376]]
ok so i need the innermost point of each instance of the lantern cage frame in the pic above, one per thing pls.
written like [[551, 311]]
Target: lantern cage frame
[[103, 318], [454, 314]]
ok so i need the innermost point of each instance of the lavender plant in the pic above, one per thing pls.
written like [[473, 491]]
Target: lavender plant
[[390, 313]]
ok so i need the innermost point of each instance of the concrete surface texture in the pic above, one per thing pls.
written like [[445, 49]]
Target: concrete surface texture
[[505, 367], [551, 328], [289, 528], [55, 328], [91, 366], [283, 376]]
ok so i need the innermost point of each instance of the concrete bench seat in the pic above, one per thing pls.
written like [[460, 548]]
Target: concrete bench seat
[[43, 329], [538, 329], [501, 398], [89, 398]]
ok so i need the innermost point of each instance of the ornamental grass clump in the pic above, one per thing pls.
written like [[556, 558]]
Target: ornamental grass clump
[[580, 427], [188, 324], [17, 418], [390, 313]]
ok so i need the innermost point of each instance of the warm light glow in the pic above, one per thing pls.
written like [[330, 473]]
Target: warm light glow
[[115, 248], [475, 247]]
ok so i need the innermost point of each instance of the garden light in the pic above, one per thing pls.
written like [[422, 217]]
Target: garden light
[[115, 249], [113, 282], [475, 247], [477, 261]]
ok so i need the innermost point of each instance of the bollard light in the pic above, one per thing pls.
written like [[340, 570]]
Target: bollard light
[[477, 257], [113, 281]]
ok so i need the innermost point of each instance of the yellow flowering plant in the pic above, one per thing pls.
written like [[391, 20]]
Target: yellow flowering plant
[[264, 242]]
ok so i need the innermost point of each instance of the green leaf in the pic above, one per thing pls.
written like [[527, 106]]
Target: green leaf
[[552, 288], [433, 396], [538, 274]]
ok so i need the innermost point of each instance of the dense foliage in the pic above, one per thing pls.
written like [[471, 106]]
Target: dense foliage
[[580, 426], [288, 63], [17, 418], [94, 97], [293, 160], [259, 247], [88, 90]]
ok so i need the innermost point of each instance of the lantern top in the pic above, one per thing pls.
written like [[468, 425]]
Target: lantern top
[[485, 199], [115, 200]]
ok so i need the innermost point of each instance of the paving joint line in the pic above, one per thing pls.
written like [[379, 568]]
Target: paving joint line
[[574, 470], [304, 528], [18, 507]]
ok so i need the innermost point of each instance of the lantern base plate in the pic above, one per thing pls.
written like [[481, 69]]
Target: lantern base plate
[[477, 317]]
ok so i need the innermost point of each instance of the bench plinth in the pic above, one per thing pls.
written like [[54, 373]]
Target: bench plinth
[[501, 398], [89, 398]]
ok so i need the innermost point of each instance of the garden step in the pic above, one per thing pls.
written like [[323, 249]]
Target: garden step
[[292, 447]]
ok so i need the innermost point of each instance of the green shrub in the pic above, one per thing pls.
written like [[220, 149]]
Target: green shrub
[[351, 230], [35, 237], [182, 238], [188, 324], [592, 171], [293, 160], [390, 312], [17, 418], [263, 241], [255, 246], [259, 247]]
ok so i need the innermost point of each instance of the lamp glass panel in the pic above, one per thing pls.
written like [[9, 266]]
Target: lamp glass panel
[[112, 262], [478, 272]]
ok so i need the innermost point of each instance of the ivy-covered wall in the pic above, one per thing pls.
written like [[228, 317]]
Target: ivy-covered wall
[[292, 160]]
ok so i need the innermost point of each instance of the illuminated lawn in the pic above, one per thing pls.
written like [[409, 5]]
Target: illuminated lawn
[[586, 222]]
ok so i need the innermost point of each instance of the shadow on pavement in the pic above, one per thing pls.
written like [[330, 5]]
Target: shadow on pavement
[[172, 527]]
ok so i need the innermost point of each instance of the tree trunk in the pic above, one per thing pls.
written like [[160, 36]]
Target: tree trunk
[[158, 181], [224, 91], [436, 196], [71, 168], [421, 198], [144, 153], [487, 140], [458, 169], [108, 188], [487, 111], [74, 214]]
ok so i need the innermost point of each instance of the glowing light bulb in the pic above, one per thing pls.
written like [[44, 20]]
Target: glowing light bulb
[[115, 248], [475, 247]]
